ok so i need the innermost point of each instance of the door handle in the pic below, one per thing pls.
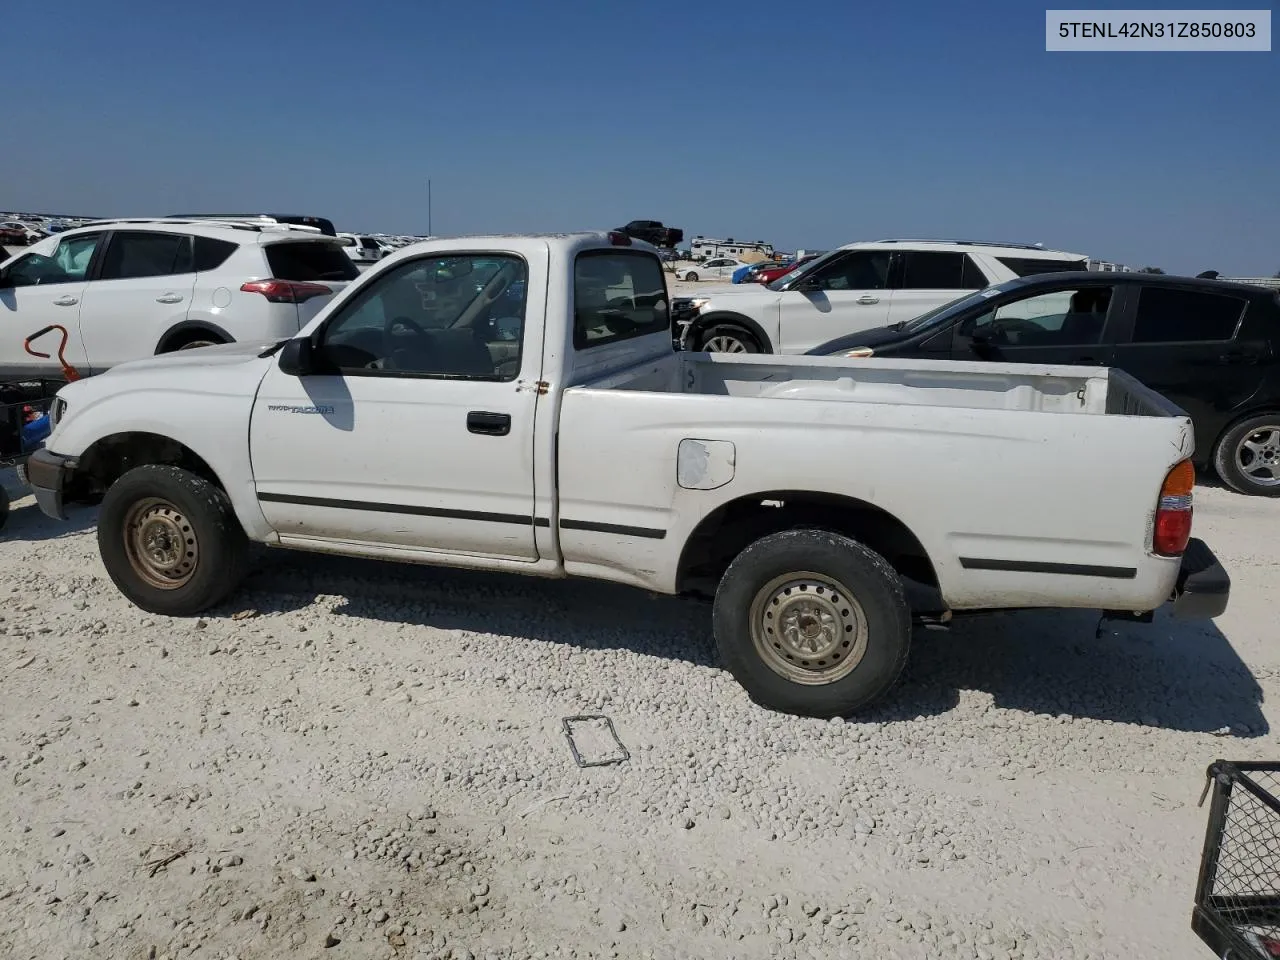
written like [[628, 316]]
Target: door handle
[[169, 298], [490, 424], [66, 301], [867, 298]]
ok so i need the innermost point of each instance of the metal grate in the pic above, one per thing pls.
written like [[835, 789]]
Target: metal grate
[[1237, 910]]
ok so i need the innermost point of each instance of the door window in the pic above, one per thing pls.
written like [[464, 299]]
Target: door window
[[1059, 319], [68, 264], [1171, 315], [860, 270], [133, 254], [454, 316], [933, 270]]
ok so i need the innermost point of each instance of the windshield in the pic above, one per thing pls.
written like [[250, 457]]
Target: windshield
[[940, 314], [800, 269]]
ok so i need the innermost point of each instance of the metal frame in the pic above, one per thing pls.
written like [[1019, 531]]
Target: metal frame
[[573, 747], [1222, 921]]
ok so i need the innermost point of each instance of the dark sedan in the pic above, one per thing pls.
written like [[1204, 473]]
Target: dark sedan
[[1208, 345]]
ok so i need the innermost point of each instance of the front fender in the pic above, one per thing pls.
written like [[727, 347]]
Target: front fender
[[215, 427]]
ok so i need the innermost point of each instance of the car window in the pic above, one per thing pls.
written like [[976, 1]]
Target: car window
[[859, 270], [1171, 315], [1028, 266], [617, 295], [131, 254], [933, 270], [210, 253], [68, 264], [1059, 318], [305, 260], [434, 317]]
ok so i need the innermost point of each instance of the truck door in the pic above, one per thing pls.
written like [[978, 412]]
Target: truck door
[[417, 430]]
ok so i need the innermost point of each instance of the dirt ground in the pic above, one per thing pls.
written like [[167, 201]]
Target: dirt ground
[[363, 760]]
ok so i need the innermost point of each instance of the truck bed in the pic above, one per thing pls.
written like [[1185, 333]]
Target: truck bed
[[972, 385], [1015, 499]]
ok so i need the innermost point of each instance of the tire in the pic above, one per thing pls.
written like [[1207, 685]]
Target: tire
[[691, 276], [858, 609], [1252, 444], [171, 503], [727, 338], [192, 341]]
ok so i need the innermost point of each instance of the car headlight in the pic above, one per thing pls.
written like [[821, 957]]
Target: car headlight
[[857, 352]]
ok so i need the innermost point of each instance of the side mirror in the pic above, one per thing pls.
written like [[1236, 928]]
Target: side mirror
[[298, 357]]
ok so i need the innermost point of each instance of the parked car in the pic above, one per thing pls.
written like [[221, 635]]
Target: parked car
[[777, 270], [717, 268], [747, 273], [14, 233], [361, 249], [134, 288], [858, 287], [1210, 346], [652, 231], [672, 472]]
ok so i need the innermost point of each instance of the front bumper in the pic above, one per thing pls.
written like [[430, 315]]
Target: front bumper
[[49, 474], [1203, 586]]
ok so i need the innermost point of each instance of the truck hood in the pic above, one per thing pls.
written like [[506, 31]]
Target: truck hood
[[232, 369], [219, 355]]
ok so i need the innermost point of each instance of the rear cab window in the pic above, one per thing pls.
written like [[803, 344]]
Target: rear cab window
[[309, 260], [617, 295]]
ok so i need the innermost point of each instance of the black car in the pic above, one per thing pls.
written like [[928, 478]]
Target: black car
[[1210, 346]]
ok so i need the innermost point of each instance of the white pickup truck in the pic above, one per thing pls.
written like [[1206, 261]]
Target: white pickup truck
[[514, 403]]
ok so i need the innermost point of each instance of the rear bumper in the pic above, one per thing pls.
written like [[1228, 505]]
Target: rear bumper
[[49, 474], [1203, 586]]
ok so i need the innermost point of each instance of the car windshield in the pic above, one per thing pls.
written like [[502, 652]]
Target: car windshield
[[800, 269], [939, 315]]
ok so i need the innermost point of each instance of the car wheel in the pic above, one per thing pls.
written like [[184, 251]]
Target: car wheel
[[170, 540], [1247, 457], [691, 275], [812, 623], [728, 338]]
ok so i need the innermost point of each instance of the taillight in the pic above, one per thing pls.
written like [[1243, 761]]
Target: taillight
[[1173, 512], [286, 291]]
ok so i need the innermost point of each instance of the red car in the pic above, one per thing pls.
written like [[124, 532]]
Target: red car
[[770, 274]]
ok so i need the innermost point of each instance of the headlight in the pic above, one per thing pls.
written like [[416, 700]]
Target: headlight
[[56, 411], [857, 352]]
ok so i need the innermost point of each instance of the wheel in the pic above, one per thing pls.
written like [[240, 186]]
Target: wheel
[[813, 623], [193, 344], [1247, 457], [691, 275], [727, 338], [170, 541]]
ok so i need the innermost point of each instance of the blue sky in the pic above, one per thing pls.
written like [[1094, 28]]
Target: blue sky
[[809, 125]]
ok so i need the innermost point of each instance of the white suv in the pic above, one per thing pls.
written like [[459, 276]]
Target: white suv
[[857, 287], [127, 289], [362, 249]]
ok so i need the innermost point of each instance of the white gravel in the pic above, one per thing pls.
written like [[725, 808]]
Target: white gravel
[[360, 760]]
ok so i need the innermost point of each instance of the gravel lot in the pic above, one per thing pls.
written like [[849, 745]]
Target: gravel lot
[[369, 759]]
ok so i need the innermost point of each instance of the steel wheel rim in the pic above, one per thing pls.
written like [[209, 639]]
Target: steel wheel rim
[[160, 544], [808, 628], [1258, 455], [724, 344]]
